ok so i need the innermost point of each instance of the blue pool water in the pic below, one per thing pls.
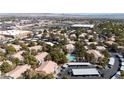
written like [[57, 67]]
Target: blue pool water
[[71, 57]]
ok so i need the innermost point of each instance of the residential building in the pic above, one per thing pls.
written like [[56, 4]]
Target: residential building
[[96, 53], [17, 72], [48, 67], [40, 57]]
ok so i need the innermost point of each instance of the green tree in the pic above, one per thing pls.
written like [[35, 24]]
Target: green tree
[[30, 59], [16, 41], [32, 74], [15, 61], [33, 52], [29, 74], [30, 35], [24, 46], [113, 47], [104, 61], [77, 33], [90, 58], [2, 56], [49, 76], [122, 74], [79, 50], [93, 46], [10, 49], [6, 67], [48, 57], [47, 48], [63, 31], [65, 77], [31, 44], [65, 50], [92, 40], [58, 57], [63, 41], [106, 53]]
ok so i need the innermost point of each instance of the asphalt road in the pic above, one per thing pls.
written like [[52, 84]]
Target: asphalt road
[[109, 73]]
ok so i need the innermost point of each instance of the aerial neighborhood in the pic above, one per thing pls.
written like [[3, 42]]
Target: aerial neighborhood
[[48, 47]]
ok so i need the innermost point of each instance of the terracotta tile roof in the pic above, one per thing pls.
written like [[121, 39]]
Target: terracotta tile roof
[[48, 67], [18, 71]]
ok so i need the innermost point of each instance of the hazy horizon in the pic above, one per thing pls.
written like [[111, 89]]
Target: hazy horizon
[[91, 15]]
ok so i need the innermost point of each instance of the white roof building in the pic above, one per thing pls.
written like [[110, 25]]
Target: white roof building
[[100, 48], [89, 43], [83, 25], [49, 43], [14, 32], [83, 72], [78, 64], [9, 32]]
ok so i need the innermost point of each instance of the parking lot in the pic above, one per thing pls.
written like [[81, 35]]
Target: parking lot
[[106, 73]]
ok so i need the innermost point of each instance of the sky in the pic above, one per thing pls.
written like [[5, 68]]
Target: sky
[[61, 6]]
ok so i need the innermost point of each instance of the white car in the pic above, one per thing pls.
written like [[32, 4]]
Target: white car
[[122, 68], [122, 63], [111, 62]]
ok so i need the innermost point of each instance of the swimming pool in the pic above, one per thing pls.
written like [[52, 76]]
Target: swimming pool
[[71, 57]]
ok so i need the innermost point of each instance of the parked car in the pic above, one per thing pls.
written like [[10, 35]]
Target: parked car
[[117, 75]]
